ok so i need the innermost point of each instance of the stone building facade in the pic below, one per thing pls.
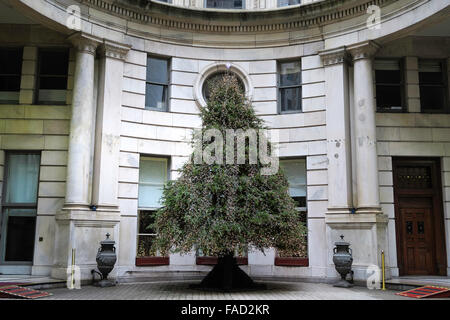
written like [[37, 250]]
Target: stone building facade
[[99, 98]]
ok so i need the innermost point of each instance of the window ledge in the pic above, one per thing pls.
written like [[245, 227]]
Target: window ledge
[[291, 262], [152, 261], [212, 261]]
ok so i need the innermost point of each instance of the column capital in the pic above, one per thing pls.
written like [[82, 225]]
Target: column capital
[[334, 56], [364, 50], [114, 50], [84, 42]]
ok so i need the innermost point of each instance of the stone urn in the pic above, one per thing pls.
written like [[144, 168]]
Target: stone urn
[[343, 260], [106, 259]]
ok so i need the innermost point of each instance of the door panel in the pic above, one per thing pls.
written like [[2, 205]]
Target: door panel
[[418, 240]]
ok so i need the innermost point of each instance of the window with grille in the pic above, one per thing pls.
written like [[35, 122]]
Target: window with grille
[[157, 84], [153, 175], [290, 86], [52, 74], [389, 85], [433, 86]]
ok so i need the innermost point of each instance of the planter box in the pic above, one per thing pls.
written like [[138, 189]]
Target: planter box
[[291, 262], [152, 261], [212, 261]]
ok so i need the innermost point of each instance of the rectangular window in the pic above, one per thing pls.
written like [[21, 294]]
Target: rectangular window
[[10, 74], [225, 4], [18, 219], [433, 86], [290, 86], [295, 171], [157, 85], [153, 175], [285, 3], [389, 85], [53, 66]]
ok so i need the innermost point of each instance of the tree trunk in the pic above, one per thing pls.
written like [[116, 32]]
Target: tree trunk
[[227, 276]]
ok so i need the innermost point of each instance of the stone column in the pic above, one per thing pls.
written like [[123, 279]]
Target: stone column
[[81, 126], [338, 130], [107, 134], [368, 195]]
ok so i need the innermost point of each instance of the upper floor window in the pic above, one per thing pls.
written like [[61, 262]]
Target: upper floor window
[[290, 86], [157, 86], [10, 74], [433, 86], [284, 3], [225, 4], [389, 85], [53, 66]]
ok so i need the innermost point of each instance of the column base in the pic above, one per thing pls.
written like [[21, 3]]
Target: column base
[[366, 231], [82, 229]]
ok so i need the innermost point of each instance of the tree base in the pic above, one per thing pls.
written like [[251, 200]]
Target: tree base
[[226, 276]]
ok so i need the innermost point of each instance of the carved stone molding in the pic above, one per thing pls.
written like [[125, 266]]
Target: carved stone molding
[[157, 13], [334, 56], [114, 50], [84, 43], [365, 50]]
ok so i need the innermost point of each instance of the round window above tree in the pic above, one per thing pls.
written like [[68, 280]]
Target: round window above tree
[[215, 77]]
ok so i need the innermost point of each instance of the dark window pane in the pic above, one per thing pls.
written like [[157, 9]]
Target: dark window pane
[[11, 61], [291, 99], [156, 96], [145, 220], [430, 77], [54, 62], [157, 70], [20, 238], [224, 4], [9, 83], [388, 76], [389, 98], [290, 73], [432, 98], [53, 83]]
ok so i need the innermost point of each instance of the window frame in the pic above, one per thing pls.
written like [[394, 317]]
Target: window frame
[[279, 87], [205, 5], [38, 76], [168, 84], [150, 260], [20, 52], [446, 107], [401, 85], [296, 261], [288, 5], [28, 206]]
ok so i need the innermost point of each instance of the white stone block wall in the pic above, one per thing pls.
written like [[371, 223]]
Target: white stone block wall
[[167, 134]]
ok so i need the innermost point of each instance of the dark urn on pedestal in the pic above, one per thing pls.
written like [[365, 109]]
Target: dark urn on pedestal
[[343, 260], [106, 259]]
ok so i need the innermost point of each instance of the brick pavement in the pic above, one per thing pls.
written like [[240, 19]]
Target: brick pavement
[[179, 290]]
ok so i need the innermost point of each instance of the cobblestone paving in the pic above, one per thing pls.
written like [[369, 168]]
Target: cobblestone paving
[[179, 290]]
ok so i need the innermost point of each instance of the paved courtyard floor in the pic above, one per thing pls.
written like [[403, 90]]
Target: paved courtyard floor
[[179, 290]]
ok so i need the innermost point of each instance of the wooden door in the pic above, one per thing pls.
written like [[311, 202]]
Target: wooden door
[[419, 216], [416, 222]]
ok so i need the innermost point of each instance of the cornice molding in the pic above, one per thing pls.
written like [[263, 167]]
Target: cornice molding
[[306, 16]]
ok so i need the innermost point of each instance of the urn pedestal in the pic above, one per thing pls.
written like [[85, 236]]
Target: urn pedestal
[[343, 261], [106, 259]]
